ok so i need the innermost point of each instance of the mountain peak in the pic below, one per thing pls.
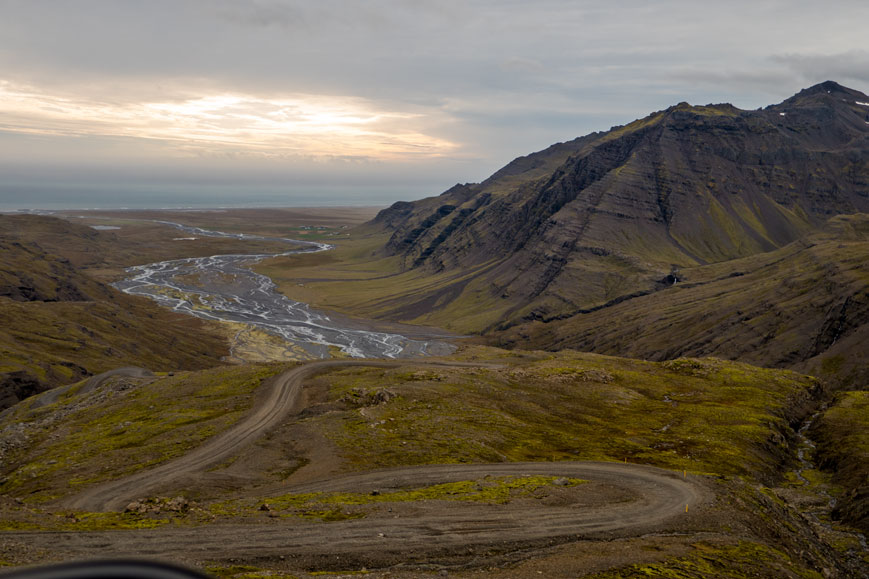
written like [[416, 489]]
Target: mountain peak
[[710, 110], [825, 91], [829, 86]]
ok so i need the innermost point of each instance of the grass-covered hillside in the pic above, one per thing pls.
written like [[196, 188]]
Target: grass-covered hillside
[[700, 415], [58, 324], [805, 306], [725, 423], [48, 451], [842, 435]]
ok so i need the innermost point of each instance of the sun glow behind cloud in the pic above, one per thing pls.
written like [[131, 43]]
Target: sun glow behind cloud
[[292, 126]]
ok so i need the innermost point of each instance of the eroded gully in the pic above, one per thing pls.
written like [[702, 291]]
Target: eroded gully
[[805, 455]]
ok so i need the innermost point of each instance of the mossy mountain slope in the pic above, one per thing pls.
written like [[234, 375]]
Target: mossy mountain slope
[[843, 448], [805, 306], [589, 221], [58, 324], [29, 274]]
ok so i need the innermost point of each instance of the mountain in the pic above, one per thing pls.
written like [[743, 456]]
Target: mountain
[[58, 325], [804, 306], [696, 231], [611, 215]]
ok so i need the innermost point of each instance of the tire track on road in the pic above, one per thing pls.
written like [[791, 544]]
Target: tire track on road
[[650, 499], [272, 406]]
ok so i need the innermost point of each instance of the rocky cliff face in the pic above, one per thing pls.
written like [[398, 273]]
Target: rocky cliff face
[[590, 221]]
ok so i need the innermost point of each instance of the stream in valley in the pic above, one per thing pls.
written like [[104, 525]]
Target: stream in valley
[[819, 513], [224, 288]]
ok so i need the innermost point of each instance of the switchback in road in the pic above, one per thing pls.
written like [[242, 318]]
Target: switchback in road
[[617, 500]]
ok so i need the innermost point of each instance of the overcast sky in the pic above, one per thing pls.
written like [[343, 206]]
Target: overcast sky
[[371, 101]]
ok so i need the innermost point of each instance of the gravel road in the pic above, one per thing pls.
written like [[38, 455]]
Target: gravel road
[[274, 402], [619, 500], [92, 384]]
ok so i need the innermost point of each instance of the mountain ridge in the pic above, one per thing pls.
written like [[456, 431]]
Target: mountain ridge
[[682, 187]]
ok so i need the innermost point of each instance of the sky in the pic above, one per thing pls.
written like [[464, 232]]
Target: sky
[[327, 102]]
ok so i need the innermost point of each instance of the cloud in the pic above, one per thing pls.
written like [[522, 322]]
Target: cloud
[[844, 67], [261, 14], [299, 125], [521, 65], [449, 89]]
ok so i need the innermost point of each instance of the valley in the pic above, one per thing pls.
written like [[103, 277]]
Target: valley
[[224, 288], [487, 405], [644, 356]]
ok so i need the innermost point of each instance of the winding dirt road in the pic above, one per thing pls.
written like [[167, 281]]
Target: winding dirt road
[[94, 382], [619, 500], [279, 399]]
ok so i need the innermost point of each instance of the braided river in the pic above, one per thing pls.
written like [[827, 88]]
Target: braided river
[[226, 289]]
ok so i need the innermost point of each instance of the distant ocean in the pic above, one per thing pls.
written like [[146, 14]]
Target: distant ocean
[[13, 198]]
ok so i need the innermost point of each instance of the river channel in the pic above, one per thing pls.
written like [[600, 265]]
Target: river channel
[[225, 288]]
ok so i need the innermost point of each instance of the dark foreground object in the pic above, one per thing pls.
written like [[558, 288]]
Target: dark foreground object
[[121, 569]]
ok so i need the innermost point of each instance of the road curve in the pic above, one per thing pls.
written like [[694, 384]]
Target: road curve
[[92, 384], [281, 397], [272, 405], [619, 500], [644, 497]]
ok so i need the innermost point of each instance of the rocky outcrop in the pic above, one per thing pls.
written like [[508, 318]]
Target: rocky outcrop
[[16, 386]]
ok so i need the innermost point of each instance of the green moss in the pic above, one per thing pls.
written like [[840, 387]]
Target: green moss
[[746, 559], [20, 526], [705, 415], [245, 572], [342, 506], [81, 521], [130, 429], [230, 571], [842, 436], [491, 490]]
